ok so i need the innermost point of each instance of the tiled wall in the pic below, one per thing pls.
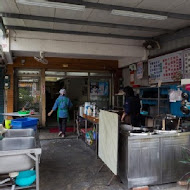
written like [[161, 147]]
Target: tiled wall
[[1, 94]]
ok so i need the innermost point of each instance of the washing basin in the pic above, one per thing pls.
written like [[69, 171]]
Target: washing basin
[[19, 143], [166, 132], [15, 152], [19, 133]]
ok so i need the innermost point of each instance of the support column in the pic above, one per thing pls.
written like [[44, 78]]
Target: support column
[[43, 97], [9, 98], [1, 94]]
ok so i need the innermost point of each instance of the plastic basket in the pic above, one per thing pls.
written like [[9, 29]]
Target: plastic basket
[[26, 178], [34, 127], [24, 122], [23, 112]]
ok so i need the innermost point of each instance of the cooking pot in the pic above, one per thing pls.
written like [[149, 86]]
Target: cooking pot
[[185, 110], [185, 95], [171, 122]]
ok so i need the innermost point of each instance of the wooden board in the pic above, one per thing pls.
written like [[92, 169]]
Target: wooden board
[[108, 139]]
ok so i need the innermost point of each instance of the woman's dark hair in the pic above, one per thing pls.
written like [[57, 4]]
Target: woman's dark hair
[[128, 91]]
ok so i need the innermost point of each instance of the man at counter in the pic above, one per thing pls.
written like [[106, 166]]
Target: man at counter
[[131, 114]]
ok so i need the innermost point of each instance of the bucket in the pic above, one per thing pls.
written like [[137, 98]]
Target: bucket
[[7, 124]]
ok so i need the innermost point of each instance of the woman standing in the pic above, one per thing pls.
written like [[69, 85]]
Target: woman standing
[[62, 104], [132, 107]]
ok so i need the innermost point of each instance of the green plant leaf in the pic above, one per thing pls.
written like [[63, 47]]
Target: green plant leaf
[[184, 162]]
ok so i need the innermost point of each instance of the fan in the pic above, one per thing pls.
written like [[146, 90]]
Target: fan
[[151, 44], [41, 59]]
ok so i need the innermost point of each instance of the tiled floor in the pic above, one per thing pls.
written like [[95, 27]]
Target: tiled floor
[[71, 165]]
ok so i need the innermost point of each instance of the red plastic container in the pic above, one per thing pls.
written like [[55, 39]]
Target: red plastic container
[[187, 87]]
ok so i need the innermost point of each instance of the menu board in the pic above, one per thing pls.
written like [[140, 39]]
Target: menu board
[[139, 70], [187, 63], [167, 68]]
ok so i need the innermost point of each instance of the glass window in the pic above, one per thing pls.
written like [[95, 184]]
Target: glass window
[[54, 73], [53, 79], [100, 74], [77, 74], [28, 93], [28, 72]]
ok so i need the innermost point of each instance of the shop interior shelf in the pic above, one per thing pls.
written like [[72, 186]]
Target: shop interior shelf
[[164, 99]]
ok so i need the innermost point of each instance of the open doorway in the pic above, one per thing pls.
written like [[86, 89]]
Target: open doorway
[[76, 89]]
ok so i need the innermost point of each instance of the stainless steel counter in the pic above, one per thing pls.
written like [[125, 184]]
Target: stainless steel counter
[[20, 150], [152, 159]]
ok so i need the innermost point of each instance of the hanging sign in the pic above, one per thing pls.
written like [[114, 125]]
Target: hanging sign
[[168, 68], [132, 77], [186, 57], [140, 70]]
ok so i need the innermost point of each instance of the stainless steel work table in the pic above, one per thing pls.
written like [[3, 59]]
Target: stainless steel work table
[[32, 153], [152, 159]]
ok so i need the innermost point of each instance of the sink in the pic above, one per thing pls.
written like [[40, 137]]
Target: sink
[[20, 133], [16, 148], [166, 132], [15, 163], [19, 143], [139, 134]]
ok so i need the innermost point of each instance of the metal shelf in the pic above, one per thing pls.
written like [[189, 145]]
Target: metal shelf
[[154, 99], [159, 101]]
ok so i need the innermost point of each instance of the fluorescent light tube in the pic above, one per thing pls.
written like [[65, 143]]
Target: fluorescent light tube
[[138, 14], [43, 3]]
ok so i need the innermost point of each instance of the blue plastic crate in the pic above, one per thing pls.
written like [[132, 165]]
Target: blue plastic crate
[[34, 127], [24, 122], [150, 102]]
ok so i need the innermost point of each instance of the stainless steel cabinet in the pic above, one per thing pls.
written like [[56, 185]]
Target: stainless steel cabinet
[[151, 160], [171, 152]]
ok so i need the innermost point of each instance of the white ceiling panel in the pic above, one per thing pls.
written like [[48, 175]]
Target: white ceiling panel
[[42, 11], [58, 26], [130, 3], [63, 13], [23, 9], [183, 8], [36, 10], [8, 6], [106, 16], [14, 22], [165, 5], [39, 24]]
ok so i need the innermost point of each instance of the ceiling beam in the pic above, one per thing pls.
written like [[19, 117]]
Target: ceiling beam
[[2, 27], [81, 22], [10, 27], [182, 33], [108, 7]]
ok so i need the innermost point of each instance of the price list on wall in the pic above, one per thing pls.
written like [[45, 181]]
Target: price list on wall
[[186, 63], [167, 68]]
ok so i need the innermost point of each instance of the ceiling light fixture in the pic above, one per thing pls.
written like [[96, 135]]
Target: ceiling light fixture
[[138, 14], [43, 3]]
